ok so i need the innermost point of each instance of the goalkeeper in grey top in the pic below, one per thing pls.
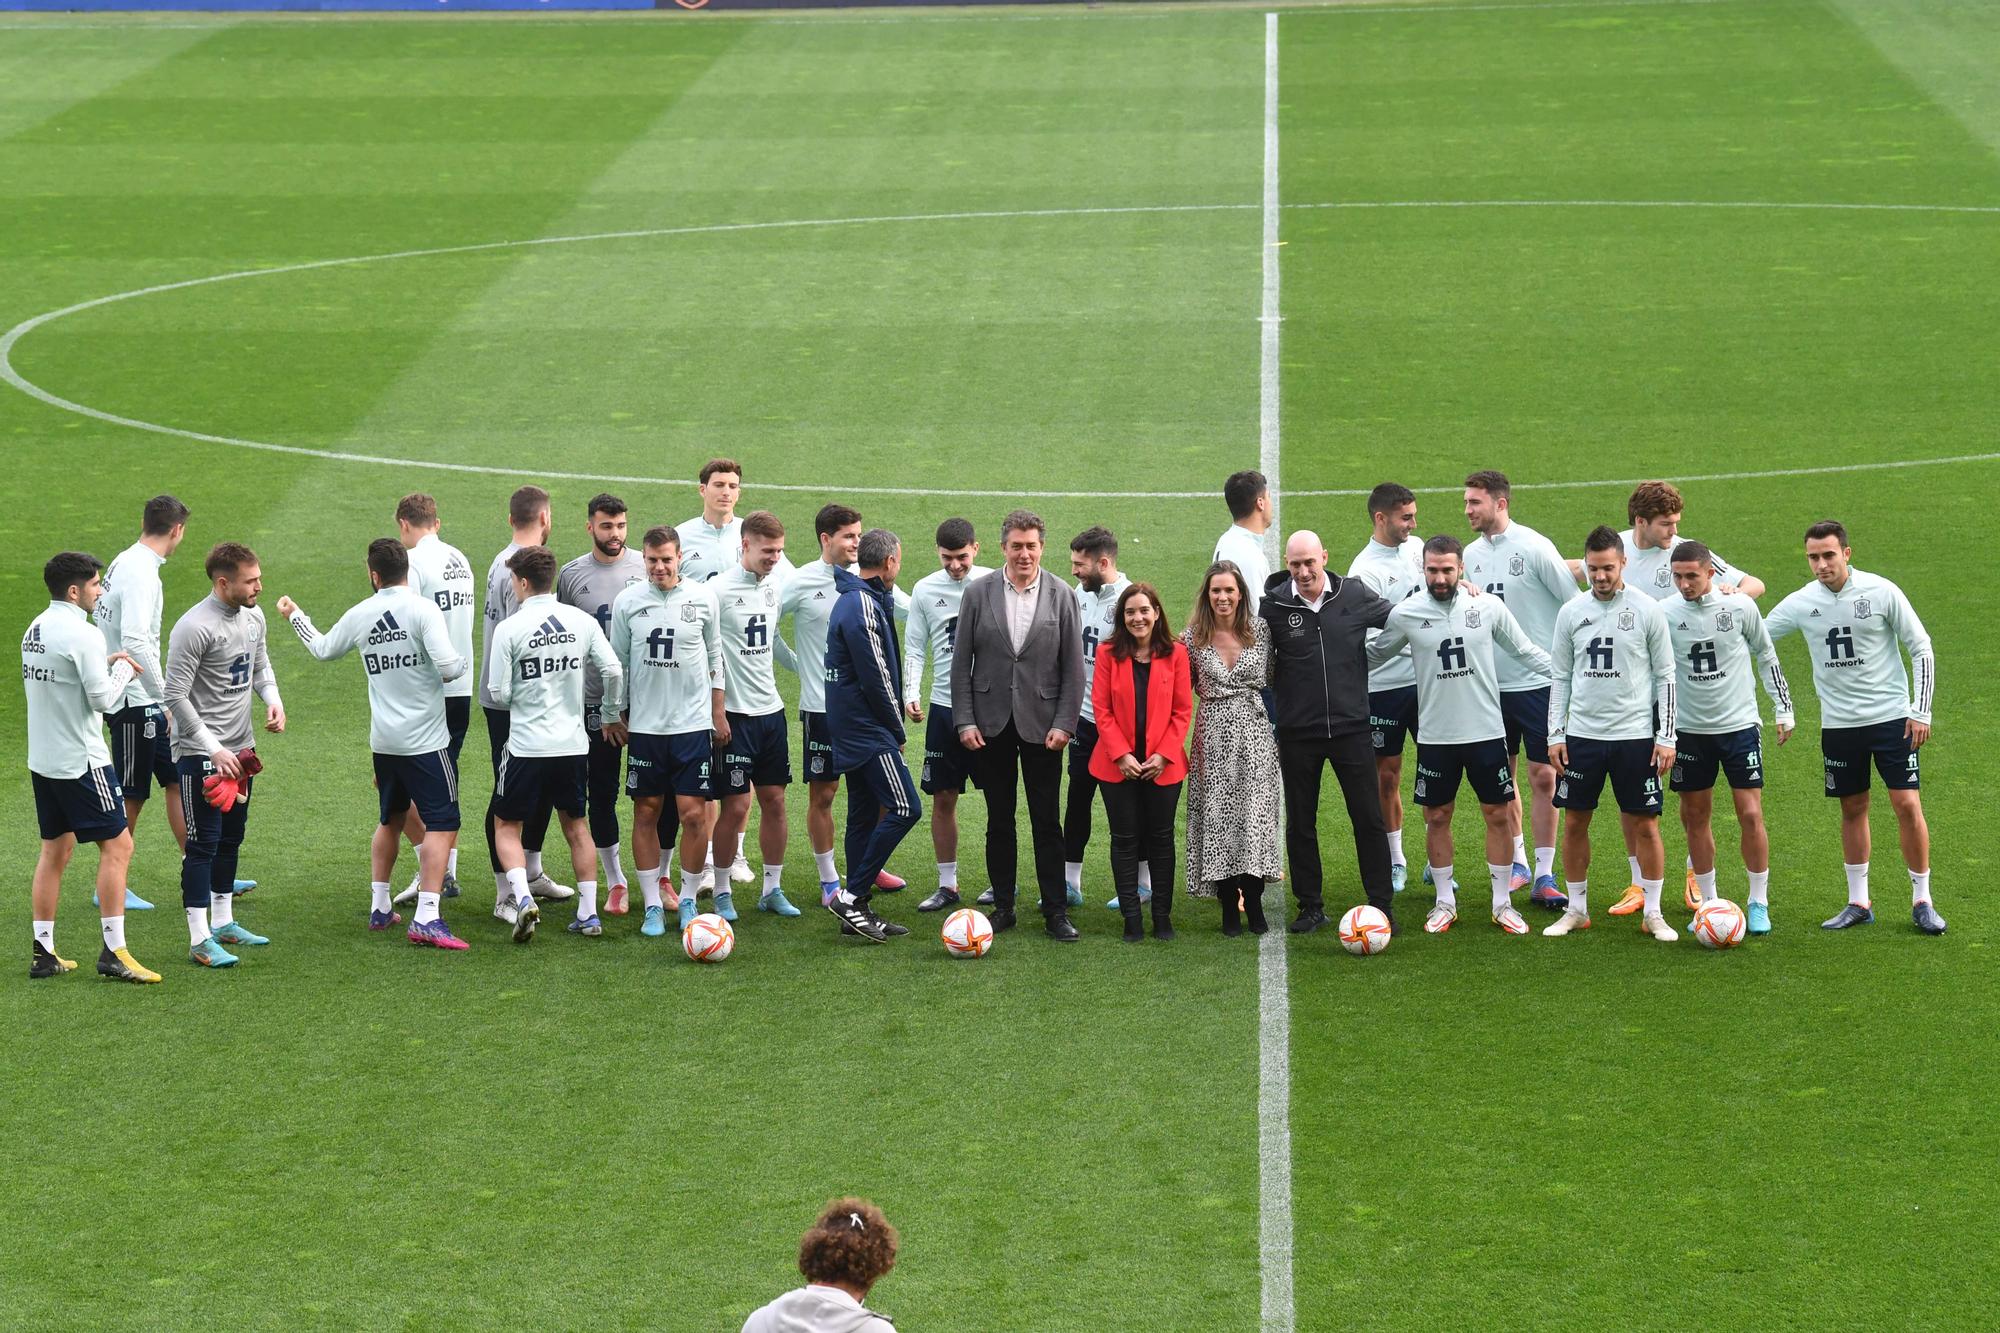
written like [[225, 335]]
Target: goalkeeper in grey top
[[216, 657]]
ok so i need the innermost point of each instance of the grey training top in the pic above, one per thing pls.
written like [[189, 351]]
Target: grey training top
[[215, 657], [591, 585]]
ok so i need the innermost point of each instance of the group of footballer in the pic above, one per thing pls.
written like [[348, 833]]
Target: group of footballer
[[649, 675]]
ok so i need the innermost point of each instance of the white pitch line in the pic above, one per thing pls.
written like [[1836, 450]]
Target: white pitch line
[[1274, 1004], [1269, 400], [12, 376]]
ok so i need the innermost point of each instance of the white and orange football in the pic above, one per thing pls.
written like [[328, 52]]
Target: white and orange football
[[1364, 930], [708, 938], [967, 933]]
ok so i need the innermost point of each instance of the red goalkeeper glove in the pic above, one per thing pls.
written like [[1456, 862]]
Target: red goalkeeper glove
[[220, 792]]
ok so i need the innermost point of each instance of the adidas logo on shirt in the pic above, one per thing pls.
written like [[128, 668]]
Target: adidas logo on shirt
[[550, 633], [33, 642], [386, 630]]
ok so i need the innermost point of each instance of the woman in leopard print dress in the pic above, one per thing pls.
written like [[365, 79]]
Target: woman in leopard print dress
[[1233, 794]]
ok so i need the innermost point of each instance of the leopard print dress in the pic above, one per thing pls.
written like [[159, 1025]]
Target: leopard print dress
[[1233, 793]]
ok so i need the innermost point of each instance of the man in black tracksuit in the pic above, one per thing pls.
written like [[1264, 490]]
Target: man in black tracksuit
[[1319, 626]]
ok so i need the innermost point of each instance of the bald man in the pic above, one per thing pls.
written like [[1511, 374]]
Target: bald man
[[1319, 625]]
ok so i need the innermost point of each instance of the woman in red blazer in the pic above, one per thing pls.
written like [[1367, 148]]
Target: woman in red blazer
[[1143, 704]]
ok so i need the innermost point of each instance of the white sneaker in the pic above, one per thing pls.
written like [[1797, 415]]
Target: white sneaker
[[1510, 920], [1656, 925], [1440, 920], [407, 896], [1567, 922], [541, 886], [505, 911], [740, 871]]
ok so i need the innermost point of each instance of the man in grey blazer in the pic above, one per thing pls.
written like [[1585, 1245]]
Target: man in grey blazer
[[1016, 692]]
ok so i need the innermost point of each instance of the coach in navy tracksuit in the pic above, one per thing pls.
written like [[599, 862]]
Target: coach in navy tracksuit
[[864, 713]]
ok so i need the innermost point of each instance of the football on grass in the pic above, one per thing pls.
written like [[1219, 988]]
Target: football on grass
[[967, 933], [1718, 923], [708, 938], [1364, 930]]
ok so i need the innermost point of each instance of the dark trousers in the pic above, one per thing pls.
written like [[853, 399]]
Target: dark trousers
[[1009, 761], [214, 837], [1142, 828], [882, 806], [1353, 759], [499, 725], [1082, 789], [606, 783]]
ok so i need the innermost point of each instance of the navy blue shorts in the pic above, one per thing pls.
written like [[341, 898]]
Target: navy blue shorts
[[525, 784], [92, 806], [457, 718], [1392, 714], [427, 781], [1526, 713], [948, 765], [680, 764], [1635, 783], [142, 753], [1847, 751], [1737, 753], [818, 748], [1485, 764], [759, 754]]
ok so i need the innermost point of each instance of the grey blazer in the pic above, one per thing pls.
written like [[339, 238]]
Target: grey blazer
[[1041, 689]]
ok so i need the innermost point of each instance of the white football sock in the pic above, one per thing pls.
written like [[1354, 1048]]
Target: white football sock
[[1652, 888], [947, 874], [1396, 847], [1920, 887], [649, 887], [773, 878], [114, 931], [824, 860], [517, 888], [1146, 875], [221, 909], [1579, 896], [1705, 884], [417, 877], [1545, 862], [690, 885], [1690, 860], [1632, 864], [1501, 878], [1073, 873], [451, 863], [614, 869], [1520, 852], [197, 925], [739, 844], [427, 907], [1447, 888], [1760, 887], [45, 935], [1857, 884], [534, 863], [378, 896], [586, 899], [500, 883]]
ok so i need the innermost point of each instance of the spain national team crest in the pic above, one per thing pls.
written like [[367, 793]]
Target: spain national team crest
[[1861, 609], [1663, 576], [770, 595], [1517, 566], [1626, 620], [690, 613], [1725, 621], [1472, 618], [1377, 738]]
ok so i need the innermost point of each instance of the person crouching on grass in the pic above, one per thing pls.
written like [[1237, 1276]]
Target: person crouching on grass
[[844, 1254]]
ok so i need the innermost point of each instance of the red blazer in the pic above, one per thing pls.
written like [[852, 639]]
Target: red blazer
[[1169, 707]]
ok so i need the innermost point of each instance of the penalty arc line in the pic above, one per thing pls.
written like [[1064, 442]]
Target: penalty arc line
[[12, 376], [1274, 1009]]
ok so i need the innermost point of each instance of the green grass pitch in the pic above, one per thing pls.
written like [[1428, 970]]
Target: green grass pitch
[[1486, 1132]]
